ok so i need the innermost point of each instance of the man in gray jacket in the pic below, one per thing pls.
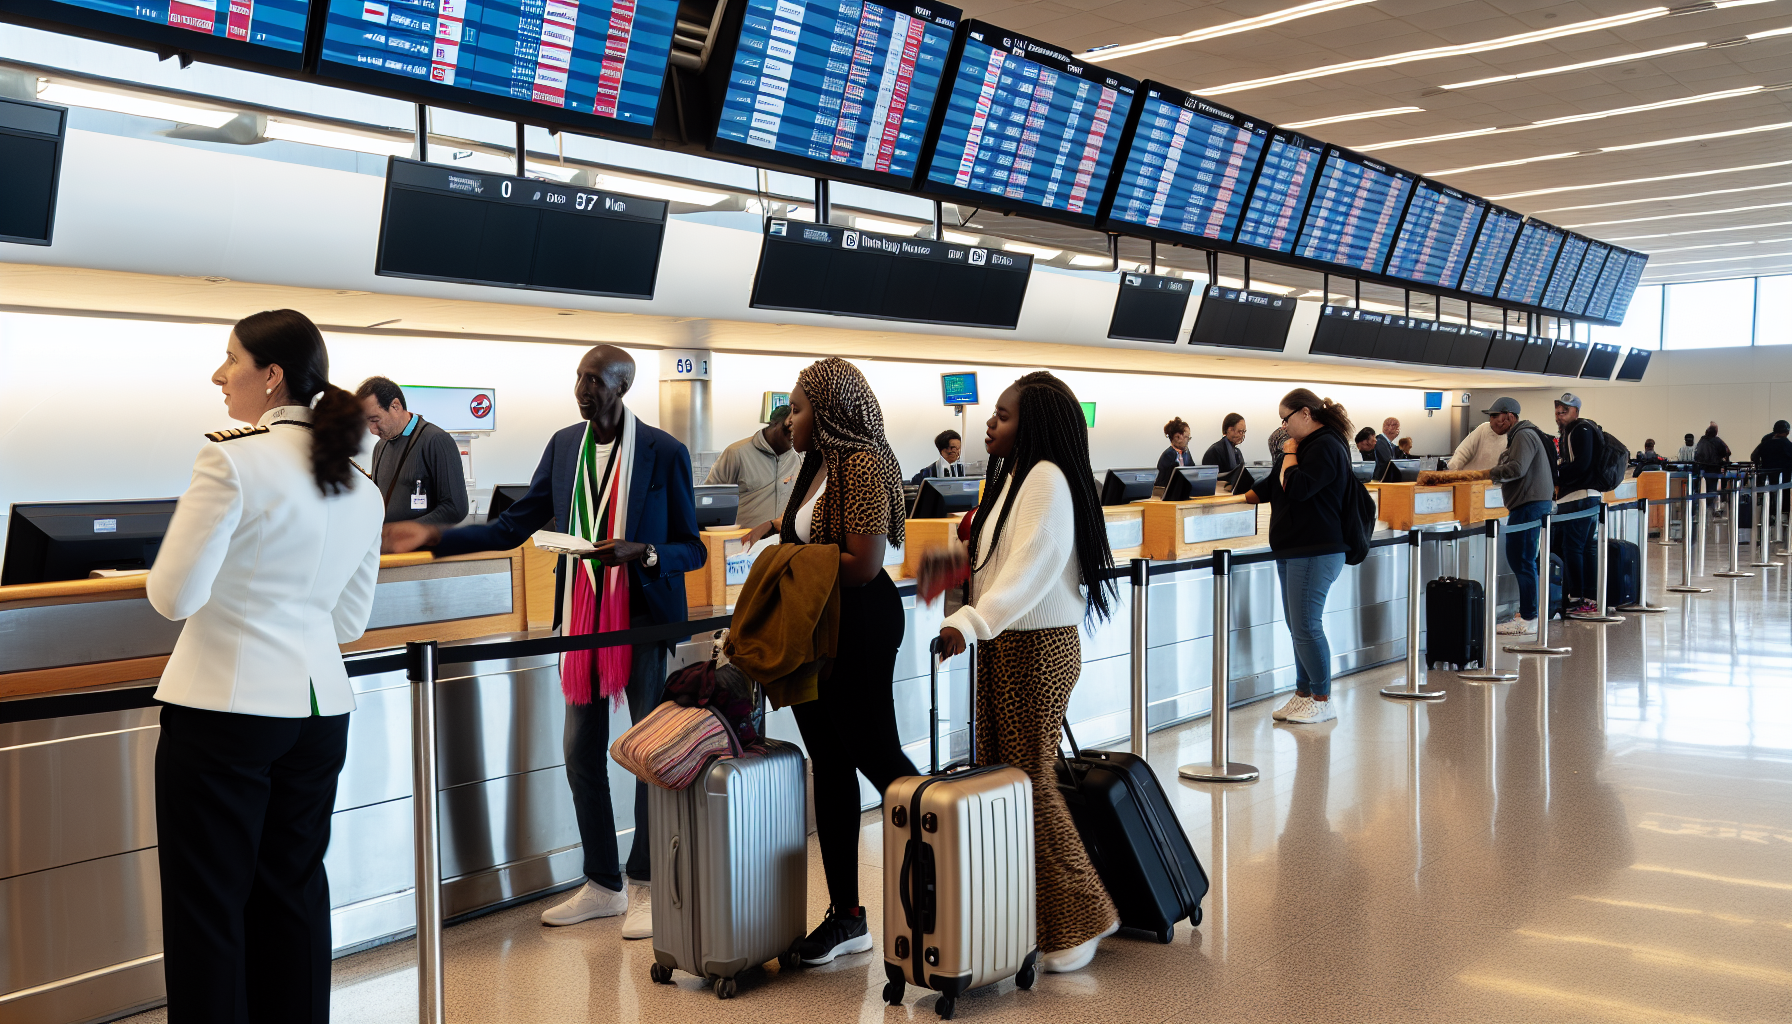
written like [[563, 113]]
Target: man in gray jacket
[[1526, 475], [415, 464]]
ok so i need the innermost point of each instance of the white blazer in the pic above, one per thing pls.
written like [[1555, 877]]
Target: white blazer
[[270, 576]]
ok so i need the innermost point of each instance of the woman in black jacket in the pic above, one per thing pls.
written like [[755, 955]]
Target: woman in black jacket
[[1306, 498]]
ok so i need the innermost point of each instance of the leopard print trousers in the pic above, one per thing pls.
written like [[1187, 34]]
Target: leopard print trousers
[[1024, 679]]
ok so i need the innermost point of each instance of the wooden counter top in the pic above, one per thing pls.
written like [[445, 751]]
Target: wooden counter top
[[118, 584]]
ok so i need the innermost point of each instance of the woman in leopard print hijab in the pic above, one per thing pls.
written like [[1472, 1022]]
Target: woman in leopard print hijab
[[847, 423]]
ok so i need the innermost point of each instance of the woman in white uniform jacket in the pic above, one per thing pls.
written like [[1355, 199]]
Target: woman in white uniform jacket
[[271, 559]]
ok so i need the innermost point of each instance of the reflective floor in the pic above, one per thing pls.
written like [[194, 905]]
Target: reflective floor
[[1608, 838]]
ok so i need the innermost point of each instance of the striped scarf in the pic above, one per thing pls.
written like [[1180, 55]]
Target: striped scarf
[[599, 512]]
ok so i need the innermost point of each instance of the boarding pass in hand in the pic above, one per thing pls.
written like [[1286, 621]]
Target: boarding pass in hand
[[563, 543]]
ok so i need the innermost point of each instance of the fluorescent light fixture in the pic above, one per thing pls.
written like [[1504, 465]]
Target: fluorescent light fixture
[[1434, 52], [884, 227], [1230, 28], [1036, 251], [1582, 66], [1504, 163], [1723, 259], [660, 190], [1365, 115], [1623, 149], [1634, 181], [1569, 119], [963, 239], [1667, 199], [1698, 138], [1705, 231], [1770, 33], [290, 131], [1676, 216], [1720, 245], [141, 106], [1087, 260]]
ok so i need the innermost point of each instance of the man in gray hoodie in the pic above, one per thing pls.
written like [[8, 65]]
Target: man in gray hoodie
[[1526, 475]]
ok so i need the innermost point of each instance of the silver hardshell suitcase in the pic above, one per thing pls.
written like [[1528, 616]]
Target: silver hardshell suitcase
[[730, 867]]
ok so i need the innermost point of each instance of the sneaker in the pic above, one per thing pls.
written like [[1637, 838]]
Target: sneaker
[[639, 923], [1294, 704], [1076, 957], [1315, 712], [1584, 608], [1516, 626], [590, 901], [839, 933]]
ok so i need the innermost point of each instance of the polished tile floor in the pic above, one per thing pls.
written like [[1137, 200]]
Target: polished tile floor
[[1607, 839]]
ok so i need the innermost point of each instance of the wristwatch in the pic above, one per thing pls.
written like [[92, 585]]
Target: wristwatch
[[652, 558]]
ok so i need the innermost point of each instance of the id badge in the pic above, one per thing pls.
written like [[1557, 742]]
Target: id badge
[[419, 500]]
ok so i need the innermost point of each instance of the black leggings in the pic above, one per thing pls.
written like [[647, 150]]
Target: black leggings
[[851, 728]]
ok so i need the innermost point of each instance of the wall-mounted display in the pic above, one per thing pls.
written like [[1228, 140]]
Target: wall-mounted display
[[248, 33], [1355, 208], [1187, 166], [1528, 269], [1504, 351], [1403, 340], [1591, 265], [1600, 362], [1150, 308], [1535, 357], [1636, 363], [1347, 331], [1236, 318], [1600, 302], [1566, 358], [1279, 194], [1561, 278], [1436, 235], [1626, 290], [1493, 243], [31, 139]]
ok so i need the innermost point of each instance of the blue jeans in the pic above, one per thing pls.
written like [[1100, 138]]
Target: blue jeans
[[1521, 553], [1580, 552], [1305, 583]]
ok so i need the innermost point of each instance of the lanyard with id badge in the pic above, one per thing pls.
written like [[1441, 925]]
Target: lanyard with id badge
[[419, 499]]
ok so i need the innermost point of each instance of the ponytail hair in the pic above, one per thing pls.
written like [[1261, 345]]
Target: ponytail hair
[[287, 338], [1327, 413]]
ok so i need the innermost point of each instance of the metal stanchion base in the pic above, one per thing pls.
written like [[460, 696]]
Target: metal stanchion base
[[1232, 771], [1600, 619], [1552, 652], [1733, 574], [1405, 694], [1640, 608], [1766, 565], [1687, 590], [1488, 677]]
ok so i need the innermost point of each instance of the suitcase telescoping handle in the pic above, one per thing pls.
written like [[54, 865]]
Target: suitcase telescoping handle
[[936, 658]]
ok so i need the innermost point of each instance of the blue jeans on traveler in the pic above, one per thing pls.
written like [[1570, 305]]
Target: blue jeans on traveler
[[1521, 553], [1305, 583], [1580, 551]]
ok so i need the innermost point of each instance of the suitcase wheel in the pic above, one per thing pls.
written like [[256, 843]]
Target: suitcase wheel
[[893, 992], [1194, 919], [725, 988], [789, 960], [660, 973], [946, 1007], [1168, 935], [1024, 979]]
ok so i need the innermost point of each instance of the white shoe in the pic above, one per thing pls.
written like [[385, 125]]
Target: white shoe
[[1516, 626], [590, 901], [1295, 703], [1076, 957], [639, 923], [1315, 712]]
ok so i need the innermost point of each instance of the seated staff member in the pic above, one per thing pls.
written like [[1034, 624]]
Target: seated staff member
[[1224, 453], [625, 487], [1175, 456], [763, 467], [950, 463], [416, 465], [271, 558]]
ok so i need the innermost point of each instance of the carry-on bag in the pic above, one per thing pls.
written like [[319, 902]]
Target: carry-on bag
[[958, 874], [1556, 601], [1621, 583], [1455, 622], [1133, 836]]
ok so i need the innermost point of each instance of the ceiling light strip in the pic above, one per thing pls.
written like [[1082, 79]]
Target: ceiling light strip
[[1676, 216], [1365, 115], [1569, 119], [1582, 66], [1704, 231], [1620, 149], [1667, 199], [1627, 181], [1719, 245], [1727, 259], [1228, 29]]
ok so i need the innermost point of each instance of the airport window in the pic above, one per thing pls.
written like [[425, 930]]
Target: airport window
[[1709, 314], [1773, 310], [1642, 322]]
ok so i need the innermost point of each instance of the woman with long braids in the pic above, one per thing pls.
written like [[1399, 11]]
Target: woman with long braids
[[1306, 500], [1040, 567], [849, 494]]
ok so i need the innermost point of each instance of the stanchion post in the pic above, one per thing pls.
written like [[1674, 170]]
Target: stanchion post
[[1641, 604], [1141, 651], [1733, 531], [1759, 533], [1686, 518], [1415, 595], [1601, 577], [425, 839], [1490, 575], [1779, 516], [1222, 768], [1544, 599]]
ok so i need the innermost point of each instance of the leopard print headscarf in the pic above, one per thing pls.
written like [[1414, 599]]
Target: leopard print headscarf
[[848, 421]]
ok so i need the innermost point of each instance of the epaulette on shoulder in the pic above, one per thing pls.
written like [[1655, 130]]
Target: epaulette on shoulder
[[231, 435]]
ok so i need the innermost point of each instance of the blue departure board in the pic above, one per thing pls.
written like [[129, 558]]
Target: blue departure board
[[1436, 234], [1499, 229], [1279, 195], [1187, 167], [1607, 285], [252, 31], [1354, 210], [1590, 268], [841, 85], [1626, 290], [1528, 269], [1026, 127], [1561, 279], [591, 61]]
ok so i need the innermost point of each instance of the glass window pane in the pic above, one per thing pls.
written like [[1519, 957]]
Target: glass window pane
[[1773, 311], [1642, 322], [1709, 314]]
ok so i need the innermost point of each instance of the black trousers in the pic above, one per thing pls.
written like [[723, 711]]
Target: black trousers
[[243, 820], [851, 727], [587, 744]]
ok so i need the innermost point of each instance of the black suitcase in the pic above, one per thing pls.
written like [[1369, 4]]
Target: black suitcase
[[1134, 838], [1620, 573], [1555, 586], [1455, 622]]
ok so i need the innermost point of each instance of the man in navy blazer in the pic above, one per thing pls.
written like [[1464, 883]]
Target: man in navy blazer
[[659, 545]]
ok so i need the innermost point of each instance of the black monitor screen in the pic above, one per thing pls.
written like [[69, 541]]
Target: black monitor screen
[[1436, 234], [245, 32], [1499, 229], [1354, 210], [68, 540], [1535, 358], [717, 505], [1186, 167], [1150, 308], [1566, 357], [825, 268], [1636, 363], [1528, 269], [31, 137], [1561, 279], [1505, 351], [1400, 471], [1402, 339], [1600, 362], [1590, 267], [1345, 331], [504, 496], [1192, 482], [474, 227], [1279, 195], [1440, 347], [1235, 318], [1472, 346], [1363, 471], [943, 495], [1124, 486]]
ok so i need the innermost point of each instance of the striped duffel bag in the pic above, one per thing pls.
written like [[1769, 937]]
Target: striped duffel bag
[[671, 746]]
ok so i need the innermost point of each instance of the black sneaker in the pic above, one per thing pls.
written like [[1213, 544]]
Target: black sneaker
[[842, 931]]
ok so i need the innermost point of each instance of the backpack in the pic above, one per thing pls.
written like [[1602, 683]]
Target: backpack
[[1358, 520], [1611, 458]]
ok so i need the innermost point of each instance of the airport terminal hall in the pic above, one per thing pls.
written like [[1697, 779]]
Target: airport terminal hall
[[851, 511]]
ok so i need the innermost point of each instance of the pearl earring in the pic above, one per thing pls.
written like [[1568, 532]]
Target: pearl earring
[[269, 391]]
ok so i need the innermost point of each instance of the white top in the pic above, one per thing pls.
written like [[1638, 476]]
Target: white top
[[805, 516], [269, 574], [1481, 449], [1031, 580]]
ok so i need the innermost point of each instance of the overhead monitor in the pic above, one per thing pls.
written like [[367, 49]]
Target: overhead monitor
[[51, 541], [1600, 302], [1472, 345], [1626, 290], [1440, 346], [1027, 127], [1150, 308], [246, 33], [1344, 331], [1403, 340], [1236, 318], [1355, 208], [1561, 279], [1436, 234], [1499, 230], [959, 388], [1434, 401], [1284, 182], [1535, 358], [825, 268], [1566, 358], [1124, 486], [456, 410], [1528, 269], [475, 227], [31, 138], [1505, 350], [1186, 168], [589, 64], [1636, 363], [844, 90], [1600, 362], [1591, 265]]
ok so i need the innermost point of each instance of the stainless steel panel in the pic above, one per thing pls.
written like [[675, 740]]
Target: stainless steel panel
[[513, 818], [74, 634], [79, 918], [79, 797], [358, 926], [473, 589], [503, 724], [105, 994], [378, 766], [370, 852]]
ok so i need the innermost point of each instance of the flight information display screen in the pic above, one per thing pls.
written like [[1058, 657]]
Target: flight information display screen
[[1535, 358], [1347, 331], [1566, 358], [1505, 351], [840, 83], [32, 136], [1600, 362], [1150, 308], [1590, 267], [1528, 269], [1499, 229], [1561, 279], [1188, 165], [1355, 208], [1636, 363], [1028, 126], [256, 31], [1235, 318], [1279, 195], [600, 61], [1607, 286], [1436, 235], [1627, 285]]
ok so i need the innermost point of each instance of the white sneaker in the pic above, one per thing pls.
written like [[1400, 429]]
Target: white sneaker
[[1076, 957], [1315, 712], [1516, 626], [639, 923], [589, 901], [1294, 704]]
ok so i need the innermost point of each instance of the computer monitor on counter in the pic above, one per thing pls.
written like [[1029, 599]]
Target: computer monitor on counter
[[68, 540], [1192, 482], [943, 495], [718, 505], [1125, 486]]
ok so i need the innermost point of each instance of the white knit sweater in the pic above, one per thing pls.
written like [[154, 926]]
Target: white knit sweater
[[1031, 580]]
